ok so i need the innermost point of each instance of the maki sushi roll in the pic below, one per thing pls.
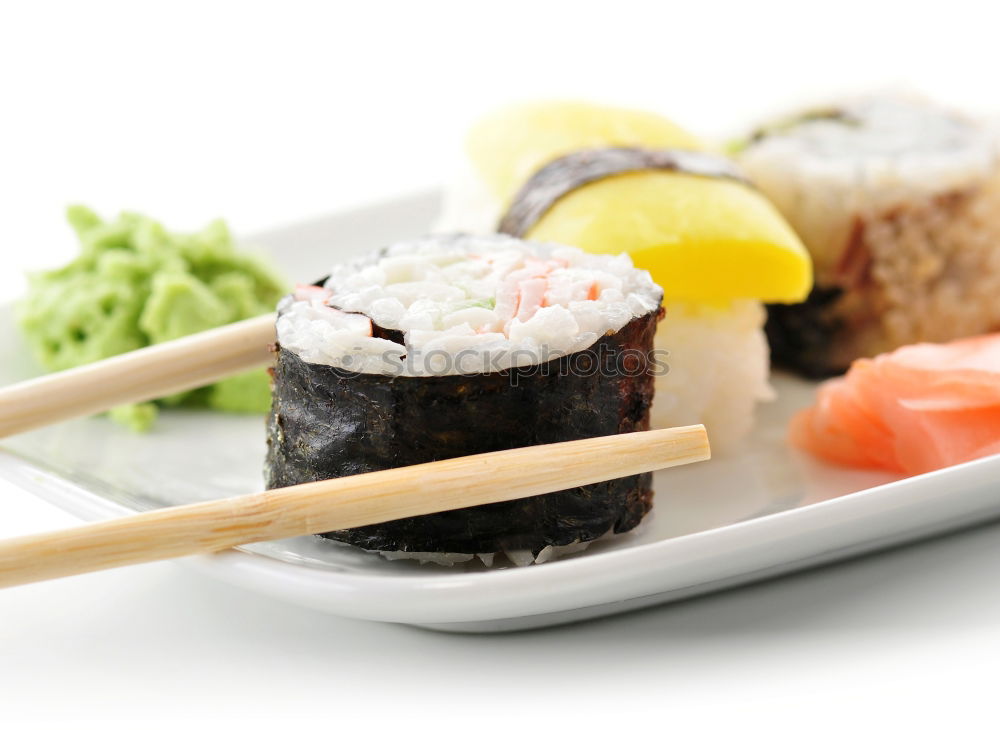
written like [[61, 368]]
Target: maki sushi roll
[[454, 345], [898, 202], [611, 180]]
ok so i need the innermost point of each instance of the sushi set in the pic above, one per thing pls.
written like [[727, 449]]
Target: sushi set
[[592, 272]]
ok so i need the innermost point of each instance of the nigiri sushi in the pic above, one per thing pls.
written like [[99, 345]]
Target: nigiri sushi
[[452, 345], [612, 180], [920, 408], [898, 201]]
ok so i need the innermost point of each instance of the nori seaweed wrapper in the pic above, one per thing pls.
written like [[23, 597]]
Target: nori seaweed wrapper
[[565, 174], [803, 336], [787, 124], [326, 422]]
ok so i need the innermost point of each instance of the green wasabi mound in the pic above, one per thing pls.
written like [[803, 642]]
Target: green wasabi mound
[[136, 284]]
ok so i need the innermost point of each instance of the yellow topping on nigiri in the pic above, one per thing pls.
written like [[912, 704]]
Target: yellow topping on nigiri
[[702, 239], [510, 145]]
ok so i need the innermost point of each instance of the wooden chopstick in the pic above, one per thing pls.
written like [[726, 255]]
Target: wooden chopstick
[[353, 501], [140, 375]]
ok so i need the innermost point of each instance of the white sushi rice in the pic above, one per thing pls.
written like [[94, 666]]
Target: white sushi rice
[[898, 202], [718, 368], [466, 304], [883, 152]]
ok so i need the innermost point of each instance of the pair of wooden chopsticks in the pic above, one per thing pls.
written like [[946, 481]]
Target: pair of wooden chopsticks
[[332, 504]]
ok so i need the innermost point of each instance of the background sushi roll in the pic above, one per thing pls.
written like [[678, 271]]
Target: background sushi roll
[[454, 345], [615, 180], [898, 202]]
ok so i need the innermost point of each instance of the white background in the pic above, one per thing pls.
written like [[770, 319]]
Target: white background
[[267, 113]]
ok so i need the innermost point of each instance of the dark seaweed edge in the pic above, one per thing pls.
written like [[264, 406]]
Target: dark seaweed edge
[[801, 336], [570, 172], [787, 124], [560, 518]]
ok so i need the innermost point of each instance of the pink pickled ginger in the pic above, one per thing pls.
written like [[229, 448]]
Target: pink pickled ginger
[[920, 408]]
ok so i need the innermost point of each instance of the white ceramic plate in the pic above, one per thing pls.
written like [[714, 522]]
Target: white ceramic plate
[[747, 516]]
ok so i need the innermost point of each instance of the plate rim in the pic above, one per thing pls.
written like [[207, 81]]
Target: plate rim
[[586, 581], [695, 562]]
